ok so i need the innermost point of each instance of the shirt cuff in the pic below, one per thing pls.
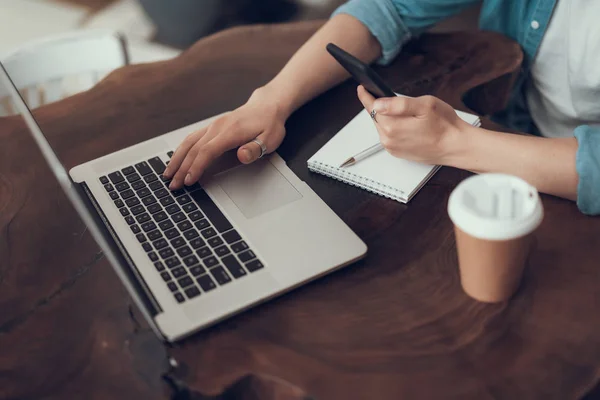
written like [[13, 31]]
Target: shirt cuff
[[588, 169], [383, 21]]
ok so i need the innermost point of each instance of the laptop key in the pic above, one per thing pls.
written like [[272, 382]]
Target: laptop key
[[171, 233], [172, 286], [155, 234], [185, 281], [103, 180], [191, 234], [195, 215], [231, 236], [156, 185], [166, 253], [159, 266], [184, 226], [204, 252], [154, 208], [210, 261], [148, 226], [189, 207], [143, 192], [145, 217], [184, 199], [114, 195], [239, 247], [128, 170], [178, 217], [192, 292], [137, 210], [173, 209], [178, 272], [184, 251], [190, 261], [170, 154], [130, 221], [138, 185], [141, 237], [234, 267], [119, 203], [153, 256], [177, 193], [210, 209], [108, 187], [161, 193], [165, 201], [202, 224], [197, 270], [197, 242], [254, 265], [135, 228], [147, 246], [160, 244], [191, 188], [208, 233], [215, 241], [172, 262], [160, 216], [247, 256], [122, 186], [132, 202], [165, 275], [166, 224], [220, 275], [179, 297], [124, 211], [148, 200], [157, 165], [127, 194], [206, 283], [177, 242], [143, 168], [222, 251], [133, 177], [116, 177], [151, 178]]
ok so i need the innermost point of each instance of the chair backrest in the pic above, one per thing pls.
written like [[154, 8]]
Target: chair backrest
[[50, 69]]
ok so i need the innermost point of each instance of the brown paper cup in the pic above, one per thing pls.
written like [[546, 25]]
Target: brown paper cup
[[491, 270]]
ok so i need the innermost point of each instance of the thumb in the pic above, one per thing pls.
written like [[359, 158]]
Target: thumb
[[398, 106], [250, 152]]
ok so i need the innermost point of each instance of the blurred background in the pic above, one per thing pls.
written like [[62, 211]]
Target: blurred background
[[155, 29]]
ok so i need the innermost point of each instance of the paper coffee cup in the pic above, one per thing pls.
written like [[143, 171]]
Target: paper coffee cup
[[494, 217]]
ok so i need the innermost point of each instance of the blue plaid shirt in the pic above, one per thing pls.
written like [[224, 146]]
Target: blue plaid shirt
[[394, 22]]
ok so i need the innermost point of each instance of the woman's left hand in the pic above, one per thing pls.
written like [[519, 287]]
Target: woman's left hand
[[423, 129]]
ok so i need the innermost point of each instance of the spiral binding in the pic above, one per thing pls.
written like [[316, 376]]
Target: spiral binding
[[353, 179]]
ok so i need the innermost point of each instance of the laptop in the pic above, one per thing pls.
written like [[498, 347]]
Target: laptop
[[192, 257]]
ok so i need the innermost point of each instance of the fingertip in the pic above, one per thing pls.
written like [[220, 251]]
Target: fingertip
[[188, 179], [245, 155], [174, 184]]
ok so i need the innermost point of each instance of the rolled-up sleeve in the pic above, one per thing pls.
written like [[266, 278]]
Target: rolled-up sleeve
[[394, 22], [588, 169]]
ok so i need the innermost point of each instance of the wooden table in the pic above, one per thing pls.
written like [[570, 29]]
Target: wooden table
[[394, 326]]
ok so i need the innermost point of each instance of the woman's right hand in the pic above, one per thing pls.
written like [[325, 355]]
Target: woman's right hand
[[260, 118]]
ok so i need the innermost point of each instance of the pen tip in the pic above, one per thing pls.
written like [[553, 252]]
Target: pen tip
[[348, 162]]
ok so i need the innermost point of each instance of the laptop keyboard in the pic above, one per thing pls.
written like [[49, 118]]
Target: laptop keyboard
[[192, 244]]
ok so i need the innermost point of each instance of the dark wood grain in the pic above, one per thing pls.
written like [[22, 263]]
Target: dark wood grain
[[395, 325]]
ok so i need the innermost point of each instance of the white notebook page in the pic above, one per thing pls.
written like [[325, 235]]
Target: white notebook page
[[381, 173]]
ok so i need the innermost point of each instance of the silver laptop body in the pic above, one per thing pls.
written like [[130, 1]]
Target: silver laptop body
[[192, 258]]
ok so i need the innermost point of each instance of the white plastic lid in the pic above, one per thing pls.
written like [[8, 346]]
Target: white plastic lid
[[495, 207]]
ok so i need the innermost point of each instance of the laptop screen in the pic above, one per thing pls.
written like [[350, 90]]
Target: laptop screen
[[17, 105]]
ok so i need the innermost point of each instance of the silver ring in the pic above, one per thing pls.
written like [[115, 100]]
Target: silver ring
[[263, 147], [373, 115]]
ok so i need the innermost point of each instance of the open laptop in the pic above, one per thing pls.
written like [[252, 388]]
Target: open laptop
[[190, 258]]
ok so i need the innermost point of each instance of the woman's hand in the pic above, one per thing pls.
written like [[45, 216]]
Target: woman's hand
[[259, 119], [423, 129]]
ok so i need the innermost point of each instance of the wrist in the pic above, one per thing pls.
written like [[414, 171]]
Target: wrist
[[266, 96], [458, 144]]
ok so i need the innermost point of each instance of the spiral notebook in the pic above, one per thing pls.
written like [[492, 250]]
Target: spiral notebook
[[381, 173]]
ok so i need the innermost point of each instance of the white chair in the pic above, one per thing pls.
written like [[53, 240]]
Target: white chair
[[53, 68]]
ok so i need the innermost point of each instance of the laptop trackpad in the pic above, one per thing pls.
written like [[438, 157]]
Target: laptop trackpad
[[257, 188]]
